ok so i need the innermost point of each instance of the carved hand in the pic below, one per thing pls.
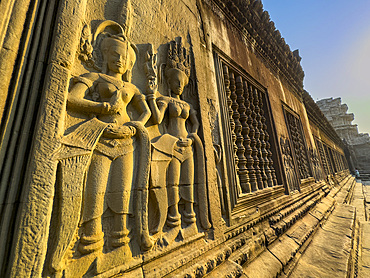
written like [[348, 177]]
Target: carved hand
[[114, 131], [105, 107], [152, 86], [185, 142], [116, 102]]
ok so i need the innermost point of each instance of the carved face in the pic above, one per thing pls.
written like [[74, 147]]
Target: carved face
[[116, 56], [177, 80]]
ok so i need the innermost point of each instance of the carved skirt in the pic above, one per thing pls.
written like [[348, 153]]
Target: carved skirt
[[109, 179], [181, 174]]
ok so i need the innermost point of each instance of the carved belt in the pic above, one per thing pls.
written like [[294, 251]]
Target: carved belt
[[114, 148]]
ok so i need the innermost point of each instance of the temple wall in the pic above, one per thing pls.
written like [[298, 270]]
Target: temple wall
[[116, 170]]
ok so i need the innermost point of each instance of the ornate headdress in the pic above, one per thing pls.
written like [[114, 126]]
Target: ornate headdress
[[178, 58], [119, 38], [92, 46]]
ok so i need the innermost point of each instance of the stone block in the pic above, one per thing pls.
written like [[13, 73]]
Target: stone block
[[284, 249], [265, 265], [302, 229]]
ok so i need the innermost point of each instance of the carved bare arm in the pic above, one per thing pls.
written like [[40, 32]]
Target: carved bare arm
[[158, 109], [139, 101], [76, 100], [194, 121]]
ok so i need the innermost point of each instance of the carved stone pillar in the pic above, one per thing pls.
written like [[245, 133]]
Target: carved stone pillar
[[229, 104], [265, 148], [247, 140], [262, 144], [257, 145], [243, 172], [252, 125]]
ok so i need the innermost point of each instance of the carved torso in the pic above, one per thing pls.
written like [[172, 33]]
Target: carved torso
[[104, 88], [179, 112]]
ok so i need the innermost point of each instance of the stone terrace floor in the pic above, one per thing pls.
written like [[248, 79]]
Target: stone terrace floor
[[341, 246], [337, 246]]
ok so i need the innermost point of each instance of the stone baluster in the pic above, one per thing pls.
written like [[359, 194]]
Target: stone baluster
[[230, 110], [243, 171], [337, 161], [327, 155], [264, 143], [293, 131], [262, 146], [249, 133], [297, 149], [235, 116], [340, 162], [344, 163], [257, 134], [252, 135], [271, 162]]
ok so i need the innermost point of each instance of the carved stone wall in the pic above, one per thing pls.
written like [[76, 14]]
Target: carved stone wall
[[153, 138]]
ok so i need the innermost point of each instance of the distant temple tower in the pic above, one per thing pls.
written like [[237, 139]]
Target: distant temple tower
[[359, 143]]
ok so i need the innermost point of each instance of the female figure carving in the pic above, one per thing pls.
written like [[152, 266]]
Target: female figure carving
[[180, 146], [110, 173], [292, 179], [99, 145]]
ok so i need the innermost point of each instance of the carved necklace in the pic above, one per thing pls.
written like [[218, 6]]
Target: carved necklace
[[179, 102], [119, 84]]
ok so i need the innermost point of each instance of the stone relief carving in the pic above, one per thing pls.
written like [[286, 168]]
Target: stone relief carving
[[290, 172], [177, 166], [316, 165], [109, 163], [217, 150], [97, 157], [86, 49], [213, 115]]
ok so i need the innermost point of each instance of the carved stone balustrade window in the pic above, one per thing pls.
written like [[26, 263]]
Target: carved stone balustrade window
[[329, 159], [322, 155], [246, 134]]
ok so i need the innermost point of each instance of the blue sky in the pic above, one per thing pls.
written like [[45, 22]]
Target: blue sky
[[333, 38]]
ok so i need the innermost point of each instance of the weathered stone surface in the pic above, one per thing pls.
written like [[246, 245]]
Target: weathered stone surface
[[228, 268], [264, 266], [284, 249], [302, 229], [364, 250], [328, 253], [160, 139]]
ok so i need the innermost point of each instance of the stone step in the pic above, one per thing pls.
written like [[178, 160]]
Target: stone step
[[358, 201], [364, 251], [282, 252], [330, 250]]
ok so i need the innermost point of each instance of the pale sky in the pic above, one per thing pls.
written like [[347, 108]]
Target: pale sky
[[333, 38]]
